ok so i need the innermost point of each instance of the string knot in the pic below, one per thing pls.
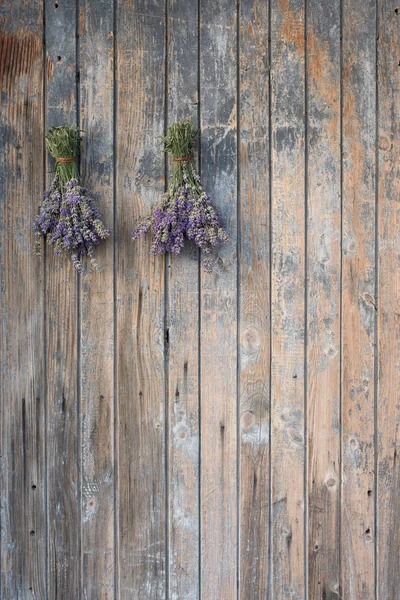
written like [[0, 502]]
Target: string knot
[[65, 160], [184, 158]]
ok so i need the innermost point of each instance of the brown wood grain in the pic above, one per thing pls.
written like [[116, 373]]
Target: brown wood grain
[[254, 291], [62, 292], [248, 444], [388, 474], [218, 329], [183, 327], [97, 306], [140, 303], [288, 298], [323, 302], [22, 380], [358, 299]]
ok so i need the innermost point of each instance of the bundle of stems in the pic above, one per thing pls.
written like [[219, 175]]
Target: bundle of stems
[[185, 211], [63, 144], [69, 217]]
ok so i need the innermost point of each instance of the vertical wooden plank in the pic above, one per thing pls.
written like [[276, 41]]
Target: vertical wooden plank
[[62, 324], [288, 291], [323, 319], [254, 290], [218, 114], [183, 325], [140, 301], [22, 462], [388, 476], [97, 309], [358, 298]]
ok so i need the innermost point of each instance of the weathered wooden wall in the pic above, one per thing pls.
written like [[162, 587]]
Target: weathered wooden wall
[[173, 434]]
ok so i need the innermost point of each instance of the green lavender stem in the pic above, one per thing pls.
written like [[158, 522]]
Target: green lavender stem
[[63, 142]]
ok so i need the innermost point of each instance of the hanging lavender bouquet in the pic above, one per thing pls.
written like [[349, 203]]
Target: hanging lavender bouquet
[[185, 211], [69, 217]]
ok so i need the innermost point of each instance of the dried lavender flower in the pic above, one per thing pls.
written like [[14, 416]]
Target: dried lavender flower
[[185, 211], [69, 217]]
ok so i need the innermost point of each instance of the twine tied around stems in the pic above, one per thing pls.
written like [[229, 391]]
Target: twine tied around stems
[[184, 158], [65, 160], [185, 211], [69, 216]]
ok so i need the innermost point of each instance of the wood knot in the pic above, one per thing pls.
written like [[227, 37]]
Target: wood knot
[[384, 143], [251, 340], [295, 436], [247, 419], [353, 444]]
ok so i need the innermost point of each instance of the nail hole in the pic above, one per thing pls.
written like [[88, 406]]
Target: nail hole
[[368, 531], [396, 10], [369, 492], [56, 5], [32, 532], [58, 58], [34, 487]]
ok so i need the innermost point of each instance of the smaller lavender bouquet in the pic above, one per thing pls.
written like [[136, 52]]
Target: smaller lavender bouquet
[[185, 211], [69, 217]]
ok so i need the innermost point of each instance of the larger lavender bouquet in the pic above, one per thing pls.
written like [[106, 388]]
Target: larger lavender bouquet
[[185, 211], [69, 217]]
